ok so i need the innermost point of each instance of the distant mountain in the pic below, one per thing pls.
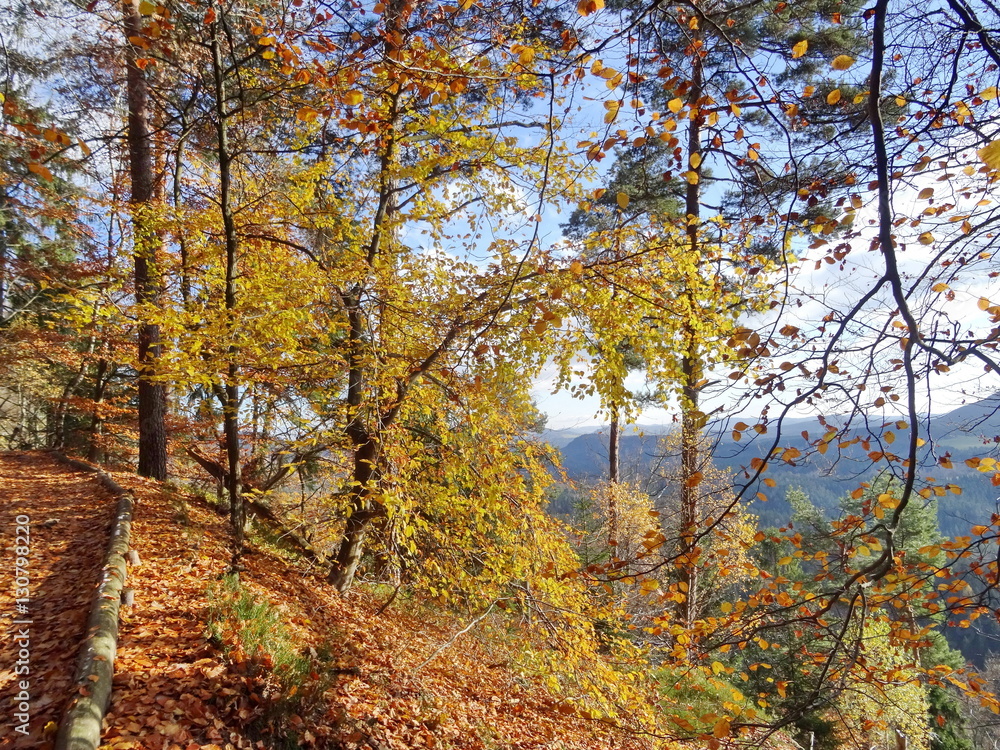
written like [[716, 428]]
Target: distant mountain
[[968, 430], [565, 436]]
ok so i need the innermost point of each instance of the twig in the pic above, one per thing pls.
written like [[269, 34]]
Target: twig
[[454, 638]]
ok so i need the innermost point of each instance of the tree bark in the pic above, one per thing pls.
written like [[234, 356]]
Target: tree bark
[[95, 452], [147, 243], [690, 372], [229, 393], [364, 438], [613, 474]]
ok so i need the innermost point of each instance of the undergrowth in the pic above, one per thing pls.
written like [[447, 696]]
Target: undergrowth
[[256, 640]]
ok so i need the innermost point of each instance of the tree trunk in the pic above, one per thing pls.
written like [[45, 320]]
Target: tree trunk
[[147, 243], [95, 452], [230, 393], [366, 477], [613, 474], [690, 372], [364, 438]]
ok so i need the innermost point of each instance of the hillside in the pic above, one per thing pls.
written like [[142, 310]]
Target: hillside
[[281, 660]]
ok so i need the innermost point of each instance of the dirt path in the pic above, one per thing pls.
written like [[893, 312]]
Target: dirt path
[[67, 515]]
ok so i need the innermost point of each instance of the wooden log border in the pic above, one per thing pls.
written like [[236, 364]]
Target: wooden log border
[[81, 725]]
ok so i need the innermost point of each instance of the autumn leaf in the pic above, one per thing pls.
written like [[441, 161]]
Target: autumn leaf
[[842, 62], [990, 154], [833, 97], [721, 728], [586, 7], [799, 49], [622, 200], [307, 114], [41, 170]]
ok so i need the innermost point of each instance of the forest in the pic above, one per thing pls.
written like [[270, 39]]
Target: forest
[[313, 261]]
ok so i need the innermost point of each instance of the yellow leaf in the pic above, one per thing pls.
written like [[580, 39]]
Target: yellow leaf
[[353, 98], [785, 561], [842, 62], [586, 7], [983, 303], [833, 97], [41, 170], [926, 239], [988, 94], [526, 56], [721, 729], [146, 8], [890, 437], [800, 49], [990, 155], [649, 586], [691, 177], [926, 193], [83, 146], [675, 105], [726, 608], [307, 114], [612, 113], [940, 287], [622, 200], [718, 667], [695, 160], [576, 267]]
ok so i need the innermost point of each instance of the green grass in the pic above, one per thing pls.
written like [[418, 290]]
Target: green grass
[[252, 629]]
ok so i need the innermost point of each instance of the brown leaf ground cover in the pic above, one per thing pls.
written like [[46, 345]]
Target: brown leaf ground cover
[[183, 684], [70, 518], [178, 687]]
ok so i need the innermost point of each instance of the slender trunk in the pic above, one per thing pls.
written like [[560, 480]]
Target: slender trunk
[[690, 373], [177, 201], [95, 451], [147, 243], [365, 439], [230, 393], [364, 509], [59, 426], [613, 474]]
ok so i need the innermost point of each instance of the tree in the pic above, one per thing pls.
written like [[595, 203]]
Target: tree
[[147, 244]]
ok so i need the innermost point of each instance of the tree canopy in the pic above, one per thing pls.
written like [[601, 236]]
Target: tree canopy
[[318, 255]]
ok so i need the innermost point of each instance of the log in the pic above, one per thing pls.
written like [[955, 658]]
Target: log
[[80, 728]]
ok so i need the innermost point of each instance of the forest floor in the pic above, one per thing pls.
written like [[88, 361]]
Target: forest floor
[[68, 518], [332, 672]]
